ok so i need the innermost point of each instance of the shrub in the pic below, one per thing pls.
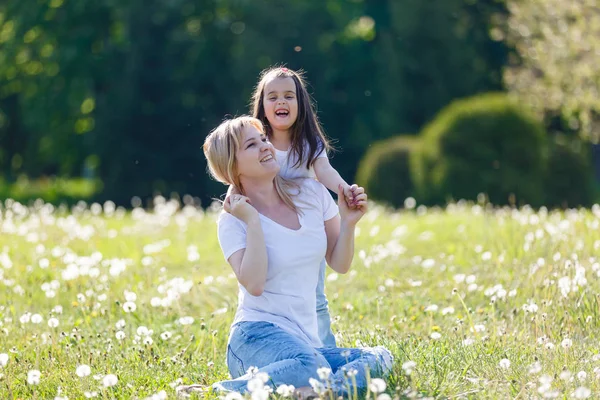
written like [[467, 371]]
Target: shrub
[[50, 190], [484, 144], [384, 170], [569, 179]]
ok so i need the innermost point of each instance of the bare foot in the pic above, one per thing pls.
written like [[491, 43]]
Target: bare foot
[[305, 393]]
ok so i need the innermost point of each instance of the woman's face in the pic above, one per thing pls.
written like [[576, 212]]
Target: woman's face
[[256, 155]]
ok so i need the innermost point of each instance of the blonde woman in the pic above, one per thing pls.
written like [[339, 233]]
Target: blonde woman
[[274, 234]]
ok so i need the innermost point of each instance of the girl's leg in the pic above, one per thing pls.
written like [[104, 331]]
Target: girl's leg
[[282, 356], [378, 360], [323, 316]]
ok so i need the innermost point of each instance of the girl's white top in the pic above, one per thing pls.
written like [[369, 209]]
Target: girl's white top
[[294, 259], [287, 159]]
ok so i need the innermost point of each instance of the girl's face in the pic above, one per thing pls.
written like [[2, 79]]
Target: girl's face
[[256, 155], [280, 103]]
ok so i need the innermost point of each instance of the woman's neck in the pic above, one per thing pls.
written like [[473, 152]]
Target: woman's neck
[[281, 140], [262, 195]]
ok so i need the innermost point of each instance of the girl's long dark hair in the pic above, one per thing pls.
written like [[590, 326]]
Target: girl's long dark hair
[[306, 128]]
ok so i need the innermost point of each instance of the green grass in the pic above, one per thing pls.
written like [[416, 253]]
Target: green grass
[[405, 262]]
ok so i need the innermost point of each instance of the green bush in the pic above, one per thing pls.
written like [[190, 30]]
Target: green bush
[[50, 190], [384, 170], [569, 179], [483, 144]]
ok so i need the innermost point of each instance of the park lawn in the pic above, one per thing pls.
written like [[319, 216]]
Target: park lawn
[[474, 302]]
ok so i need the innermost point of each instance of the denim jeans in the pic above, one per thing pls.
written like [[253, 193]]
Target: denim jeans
[[323, 317], [291, 361]]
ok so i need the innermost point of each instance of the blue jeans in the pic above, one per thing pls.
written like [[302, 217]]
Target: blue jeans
[[291, 361], [323, 317]]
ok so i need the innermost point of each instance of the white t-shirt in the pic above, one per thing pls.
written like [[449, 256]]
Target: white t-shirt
[[287, 159], [294, 259]]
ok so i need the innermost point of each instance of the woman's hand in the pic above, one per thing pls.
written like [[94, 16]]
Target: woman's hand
[[240, 207], [350, 214]]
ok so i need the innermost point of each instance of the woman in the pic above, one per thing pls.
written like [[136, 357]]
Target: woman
[[274, 234]]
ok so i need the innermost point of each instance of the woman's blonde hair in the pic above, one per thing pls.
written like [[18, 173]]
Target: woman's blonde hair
[[220, 148]]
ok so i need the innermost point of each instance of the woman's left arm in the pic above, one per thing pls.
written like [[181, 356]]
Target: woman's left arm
[[340, 231]]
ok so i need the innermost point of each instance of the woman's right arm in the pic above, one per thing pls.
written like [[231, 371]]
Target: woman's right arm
[[250, 264]]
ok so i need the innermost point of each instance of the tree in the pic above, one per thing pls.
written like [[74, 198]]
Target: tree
[[557, 71]]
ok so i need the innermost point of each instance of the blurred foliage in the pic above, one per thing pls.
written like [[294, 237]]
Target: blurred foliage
[[54, 190], [483, 144], [126, 91], [569, 179], [384, 170], [556, 70]]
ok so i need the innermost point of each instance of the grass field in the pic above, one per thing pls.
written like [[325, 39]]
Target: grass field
[[474, 302]]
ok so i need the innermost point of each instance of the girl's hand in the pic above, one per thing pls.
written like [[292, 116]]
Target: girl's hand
[[352, 212], [240, 207], [350, 195]]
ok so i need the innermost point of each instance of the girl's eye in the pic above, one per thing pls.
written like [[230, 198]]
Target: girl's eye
[[272, 98], [250, 145], [289, 97], [264, 140]]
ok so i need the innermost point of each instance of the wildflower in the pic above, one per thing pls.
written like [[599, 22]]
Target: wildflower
[[255, 384], [566, 343], [448, 310], [25, 318], [148, 340], [317, 386], [582, 375], [323, 373], [33, 377], [166, 335], [186, 320], [261, 394], [504, 363], [120, 335], [129, 307], [90, 395], [377, 385], [143, 331], [120, 324], [130, 296], [155, 302], [3, 359], [110, 380], [284, 391], [83, 371], [582, 393], [436, 335], [237, 396], [53, 322], [408, 367], [535, 368]]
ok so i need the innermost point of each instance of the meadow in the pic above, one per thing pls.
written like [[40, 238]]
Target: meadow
[[474, 301]]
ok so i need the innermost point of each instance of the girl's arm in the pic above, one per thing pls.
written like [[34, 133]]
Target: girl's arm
[[331, 179], [340, 232]]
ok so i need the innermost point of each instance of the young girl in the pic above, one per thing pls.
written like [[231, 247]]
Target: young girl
[[282, 103]]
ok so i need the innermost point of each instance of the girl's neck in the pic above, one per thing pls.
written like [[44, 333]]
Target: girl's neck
[[262, 195], [281, 140]]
